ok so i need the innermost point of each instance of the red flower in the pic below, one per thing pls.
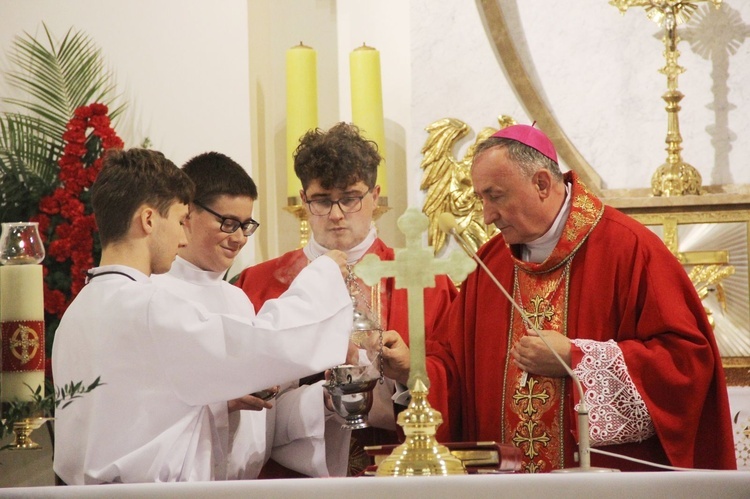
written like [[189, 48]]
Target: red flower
[[49, 205], [99, 108], [69, 161], [75, 149], [65, 217], [75, 133], [72, 209], [55, 301], [99, 121], [83, 112], [60, 250]]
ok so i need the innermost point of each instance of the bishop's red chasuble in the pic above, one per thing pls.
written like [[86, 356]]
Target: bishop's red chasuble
[[609, 279]]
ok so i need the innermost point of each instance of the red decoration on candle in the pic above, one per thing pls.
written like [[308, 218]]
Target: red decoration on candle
[[23, 346]]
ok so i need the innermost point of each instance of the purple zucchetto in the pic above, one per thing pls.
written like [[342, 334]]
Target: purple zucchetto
[[530, 136]]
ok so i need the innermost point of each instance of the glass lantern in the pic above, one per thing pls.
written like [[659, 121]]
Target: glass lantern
[[20, 243]]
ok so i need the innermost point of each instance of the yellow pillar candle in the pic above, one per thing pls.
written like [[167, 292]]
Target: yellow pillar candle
[[22, 321], [367, 102], [301, 105]]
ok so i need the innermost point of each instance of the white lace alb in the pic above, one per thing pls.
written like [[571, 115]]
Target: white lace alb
[[617, 412]]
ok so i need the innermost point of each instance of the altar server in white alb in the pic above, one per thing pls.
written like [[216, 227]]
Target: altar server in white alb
[[291, 428], [168, 362]]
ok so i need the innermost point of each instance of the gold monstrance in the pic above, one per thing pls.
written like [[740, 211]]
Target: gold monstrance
[[675, 177], [415, 268]]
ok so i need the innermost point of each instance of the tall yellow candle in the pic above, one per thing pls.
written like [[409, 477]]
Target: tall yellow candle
[[301, 106], [22, 320], [367, 102]]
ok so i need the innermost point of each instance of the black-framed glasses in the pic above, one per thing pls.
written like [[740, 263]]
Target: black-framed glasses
[[230, 225], [347, 204]]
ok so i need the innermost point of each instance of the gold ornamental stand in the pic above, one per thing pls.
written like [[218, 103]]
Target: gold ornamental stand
[[675, 177], [414, 269], [22, 433], [296, 208], [420, 454]]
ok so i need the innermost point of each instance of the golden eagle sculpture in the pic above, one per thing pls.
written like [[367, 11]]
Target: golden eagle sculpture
[[447, 181]]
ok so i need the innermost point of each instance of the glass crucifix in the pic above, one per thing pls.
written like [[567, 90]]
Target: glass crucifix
[[414, 269]]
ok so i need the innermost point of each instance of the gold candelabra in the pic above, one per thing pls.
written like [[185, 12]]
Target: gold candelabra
[[675, 177]]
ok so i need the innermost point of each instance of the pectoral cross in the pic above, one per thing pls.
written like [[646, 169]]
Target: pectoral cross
[[414, 269]]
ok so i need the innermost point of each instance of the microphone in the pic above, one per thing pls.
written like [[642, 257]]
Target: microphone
[[448, 224]]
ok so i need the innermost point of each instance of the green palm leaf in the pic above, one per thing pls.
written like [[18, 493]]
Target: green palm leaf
[[28, 165], [60, 78], [56, 78]]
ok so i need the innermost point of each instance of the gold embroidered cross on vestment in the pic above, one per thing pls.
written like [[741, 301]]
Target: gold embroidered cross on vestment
[[539, 309], [529, 396], [530, 437]]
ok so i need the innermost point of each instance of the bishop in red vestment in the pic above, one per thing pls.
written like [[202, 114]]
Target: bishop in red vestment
[[610, 298]]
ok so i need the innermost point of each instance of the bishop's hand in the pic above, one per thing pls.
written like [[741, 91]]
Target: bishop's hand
[[396, 357], [530, 353]]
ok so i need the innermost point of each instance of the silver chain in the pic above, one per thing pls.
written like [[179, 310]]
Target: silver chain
[[355, 290]]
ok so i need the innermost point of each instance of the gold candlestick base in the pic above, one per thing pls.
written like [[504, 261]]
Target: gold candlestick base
[[22, 432], [296, 208], [675, 177], [420, 454], [676, 180]]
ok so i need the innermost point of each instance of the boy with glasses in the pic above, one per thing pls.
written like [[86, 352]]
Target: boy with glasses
[[613, 303], [218, 227], [338, 171], [169, 359], [229, 224]]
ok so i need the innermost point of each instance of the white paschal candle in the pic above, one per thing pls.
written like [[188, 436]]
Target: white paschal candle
[[22, 320]]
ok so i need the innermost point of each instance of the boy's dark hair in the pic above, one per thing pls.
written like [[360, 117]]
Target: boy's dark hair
[[337, 158], [216, 174], [131, 178]]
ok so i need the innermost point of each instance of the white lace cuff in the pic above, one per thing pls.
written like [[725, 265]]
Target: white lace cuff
[[617, 412]]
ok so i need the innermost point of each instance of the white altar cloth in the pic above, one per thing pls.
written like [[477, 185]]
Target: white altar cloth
[[656, 485]]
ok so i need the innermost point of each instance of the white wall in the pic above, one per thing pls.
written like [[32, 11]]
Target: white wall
[[383, 25], [274, 27], [598, 72], [182, 66], [454, 75]]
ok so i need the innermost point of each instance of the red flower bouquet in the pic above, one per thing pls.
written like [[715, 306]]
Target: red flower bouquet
[[66, 220]]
